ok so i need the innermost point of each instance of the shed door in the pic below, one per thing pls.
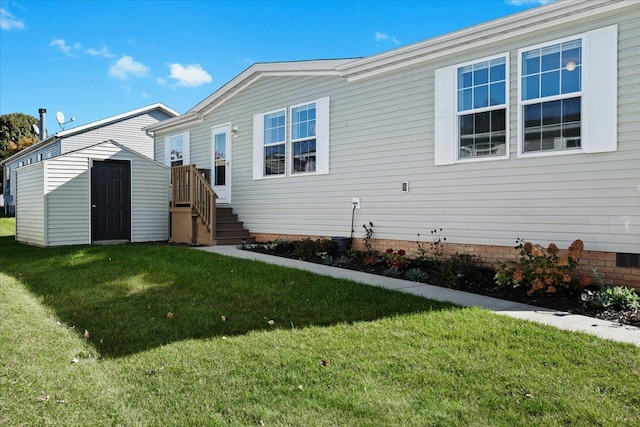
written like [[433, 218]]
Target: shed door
[[111, 200]]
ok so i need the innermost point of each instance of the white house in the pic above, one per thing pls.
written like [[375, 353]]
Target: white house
[[522, 127], [125, 128]]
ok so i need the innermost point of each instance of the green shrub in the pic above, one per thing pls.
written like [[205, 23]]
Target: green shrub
[[417, 275], [392, 272], [280, 246], [462, 269], [615, 297]]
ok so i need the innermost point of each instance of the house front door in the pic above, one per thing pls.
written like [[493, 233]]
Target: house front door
[[221, 163], [110, 200]]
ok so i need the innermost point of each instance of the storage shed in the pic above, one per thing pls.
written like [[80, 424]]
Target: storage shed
[[102, 193]]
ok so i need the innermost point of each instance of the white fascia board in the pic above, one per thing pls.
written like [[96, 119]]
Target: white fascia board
[[553, 14], [174, 122], [117, 118], [323, 67], [25, 152]]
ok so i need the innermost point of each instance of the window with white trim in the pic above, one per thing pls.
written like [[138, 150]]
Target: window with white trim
[[472, 110], [176, 149], [551, 89], [567, 101], [303, 138], [567, 94], [482, 108], [292, 141], [274, 143]]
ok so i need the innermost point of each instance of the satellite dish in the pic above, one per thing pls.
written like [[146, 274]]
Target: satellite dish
[[60, 119], [36, 129]]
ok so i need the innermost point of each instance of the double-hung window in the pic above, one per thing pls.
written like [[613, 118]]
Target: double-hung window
[[566, 103], [567, 94], [303, 138], [274, 143], [472, 110], [176, 149], [551, 92], [482, 108], [292, 141]]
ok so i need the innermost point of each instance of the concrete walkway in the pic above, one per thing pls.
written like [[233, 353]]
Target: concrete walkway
[[562, 320]]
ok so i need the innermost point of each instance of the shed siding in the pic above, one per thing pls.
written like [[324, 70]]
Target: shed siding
[[30, 208], [382, 133], [127, 132], [69, 196], [48, 151]]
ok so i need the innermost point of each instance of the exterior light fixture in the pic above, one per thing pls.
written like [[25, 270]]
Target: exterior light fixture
[[234, 132], [586, 295]]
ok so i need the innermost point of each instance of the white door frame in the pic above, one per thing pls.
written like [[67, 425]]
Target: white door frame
[[223, 191]]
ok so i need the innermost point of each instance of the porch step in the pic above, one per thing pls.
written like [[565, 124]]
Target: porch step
[[230, 231]]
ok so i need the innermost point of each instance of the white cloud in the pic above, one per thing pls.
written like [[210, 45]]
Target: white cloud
[[9, 22], [63, 46], [126, 67], [189, 75], [104, 52], [527, 2], [385, 37]]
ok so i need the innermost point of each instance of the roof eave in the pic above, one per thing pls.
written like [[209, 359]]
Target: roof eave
[[306, 68], [471, 37], [182, 120], [24, 152]]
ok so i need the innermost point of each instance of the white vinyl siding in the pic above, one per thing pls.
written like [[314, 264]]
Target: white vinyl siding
[[68, 196], [46, 152], [127, 132], [65, 193], [384, 132], [30, 210], [186, 148]]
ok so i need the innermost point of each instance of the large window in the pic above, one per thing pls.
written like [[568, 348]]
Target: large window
[[566, 103], [292, 141], [482, 108], [567, 94], [551, 92]]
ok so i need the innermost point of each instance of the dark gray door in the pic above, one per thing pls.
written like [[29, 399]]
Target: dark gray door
[[111, 200]]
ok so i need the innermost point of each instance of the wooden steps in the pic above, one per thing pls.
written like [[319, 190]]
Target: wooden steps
[[230, 231]]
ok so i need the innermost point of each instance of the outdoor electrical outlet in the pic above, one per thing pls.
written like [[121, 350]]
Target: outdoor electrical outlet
[[355, 202]]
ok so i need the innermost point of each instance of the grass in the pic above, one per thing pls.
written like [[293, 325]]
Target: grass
[[338, 353]]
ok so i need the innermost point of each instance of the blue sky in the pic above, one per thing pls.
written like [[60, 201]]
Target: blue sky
[[95, 59]]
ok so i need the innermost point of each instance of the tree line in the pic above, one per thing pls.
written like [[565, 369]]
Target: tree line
[[16, 133]]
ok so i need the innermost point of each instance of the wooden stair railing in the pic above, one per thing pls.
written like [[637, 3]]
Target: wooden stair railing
[[190, 188]]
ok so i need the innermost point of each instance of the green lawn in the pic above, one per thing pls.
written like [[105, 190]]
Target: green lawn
[[335, 353]]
